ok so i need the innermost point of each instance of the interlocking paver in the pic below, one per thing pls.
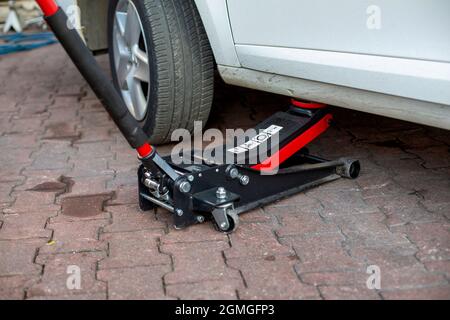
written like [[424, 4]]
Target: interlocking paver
[[348, 293], [267, 278], [123, 247], [304, 224], [206, 290], [189, 267], [322, 253], [24, 226], [198, 233], [334, 278], [59, 267], [68, 196], [20, 257], [13, 287], [130, 218], [433, 293], [76, 236], [135, 283], [255, 239]]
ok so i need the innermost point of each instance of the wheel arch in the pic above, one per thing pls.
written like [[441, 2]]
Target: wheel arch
[[213, 13]]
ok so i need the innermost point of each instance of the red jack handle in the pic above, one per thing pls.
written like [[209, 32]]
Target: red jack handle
[[96, 77], [102, 86]]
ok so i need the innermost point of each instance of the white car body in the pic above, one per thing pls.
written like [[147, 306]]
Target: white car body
[[386, 57]]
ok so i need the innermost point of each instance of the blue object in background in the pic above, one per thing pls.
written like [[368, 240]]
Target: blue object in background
[[21, 41]]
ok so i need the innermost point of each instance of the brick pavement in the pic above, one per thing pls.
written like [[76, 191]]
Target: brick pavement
[[68, 197]]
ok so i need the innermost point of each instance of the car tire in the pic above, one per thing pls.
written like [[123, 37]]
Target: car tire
[[179, 58]]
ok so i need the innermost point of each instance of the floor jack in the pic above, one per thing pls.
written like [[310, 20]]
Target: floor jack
[[208, 188]]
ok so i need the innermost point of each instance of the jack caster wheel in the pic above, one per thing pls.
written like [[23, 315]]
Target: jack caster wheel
[[233, 222]]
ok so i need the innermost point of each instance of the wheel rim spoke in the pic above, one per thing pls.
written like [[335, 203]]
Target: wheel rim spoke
[[121, 59], [120, 21], [132, 26], [137, 97], [122, 72], [142, 68]]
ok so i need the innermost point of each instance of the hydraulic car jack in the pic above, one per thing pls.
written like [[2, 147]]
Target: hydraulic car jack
[[229, 180]]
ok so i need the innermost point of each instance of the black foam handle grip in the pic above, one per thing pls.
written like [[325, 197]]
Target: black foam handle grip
[[100, 83]]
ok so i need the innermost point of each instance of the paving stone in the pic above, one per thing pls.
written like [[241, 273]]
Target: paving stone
[[304, 224], [51, 162], [257, 216], [85, 186], [20, 257], [125, 194], [412, 214], [13, 287], [386, 258], [60, 268], [348, 293], [130, 218], [7, 103], [87, 297], [132, 249], [47, 181], [369, 230], [437, 208], [140, 283], [255, 239], [423, 181], [93, 134], [75, 236], [341, 203], [124, 162], [190, 266], [207, 290], [97, 119], [123, 179], [265, 279], [409, 277], [24, 226], [18, 141], [418, 139], [6, 190], [300, 200], [16, 157], [26, 125], [320, 253], [433, 156], [86, 167], [62, 121], [197, 233], [425, 231], [379, 185], [442, 267], [94, 150], [85, 206], [11, 174], [335, 278], [433, 293], [28, 202], [92, 105], [433, 250]]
